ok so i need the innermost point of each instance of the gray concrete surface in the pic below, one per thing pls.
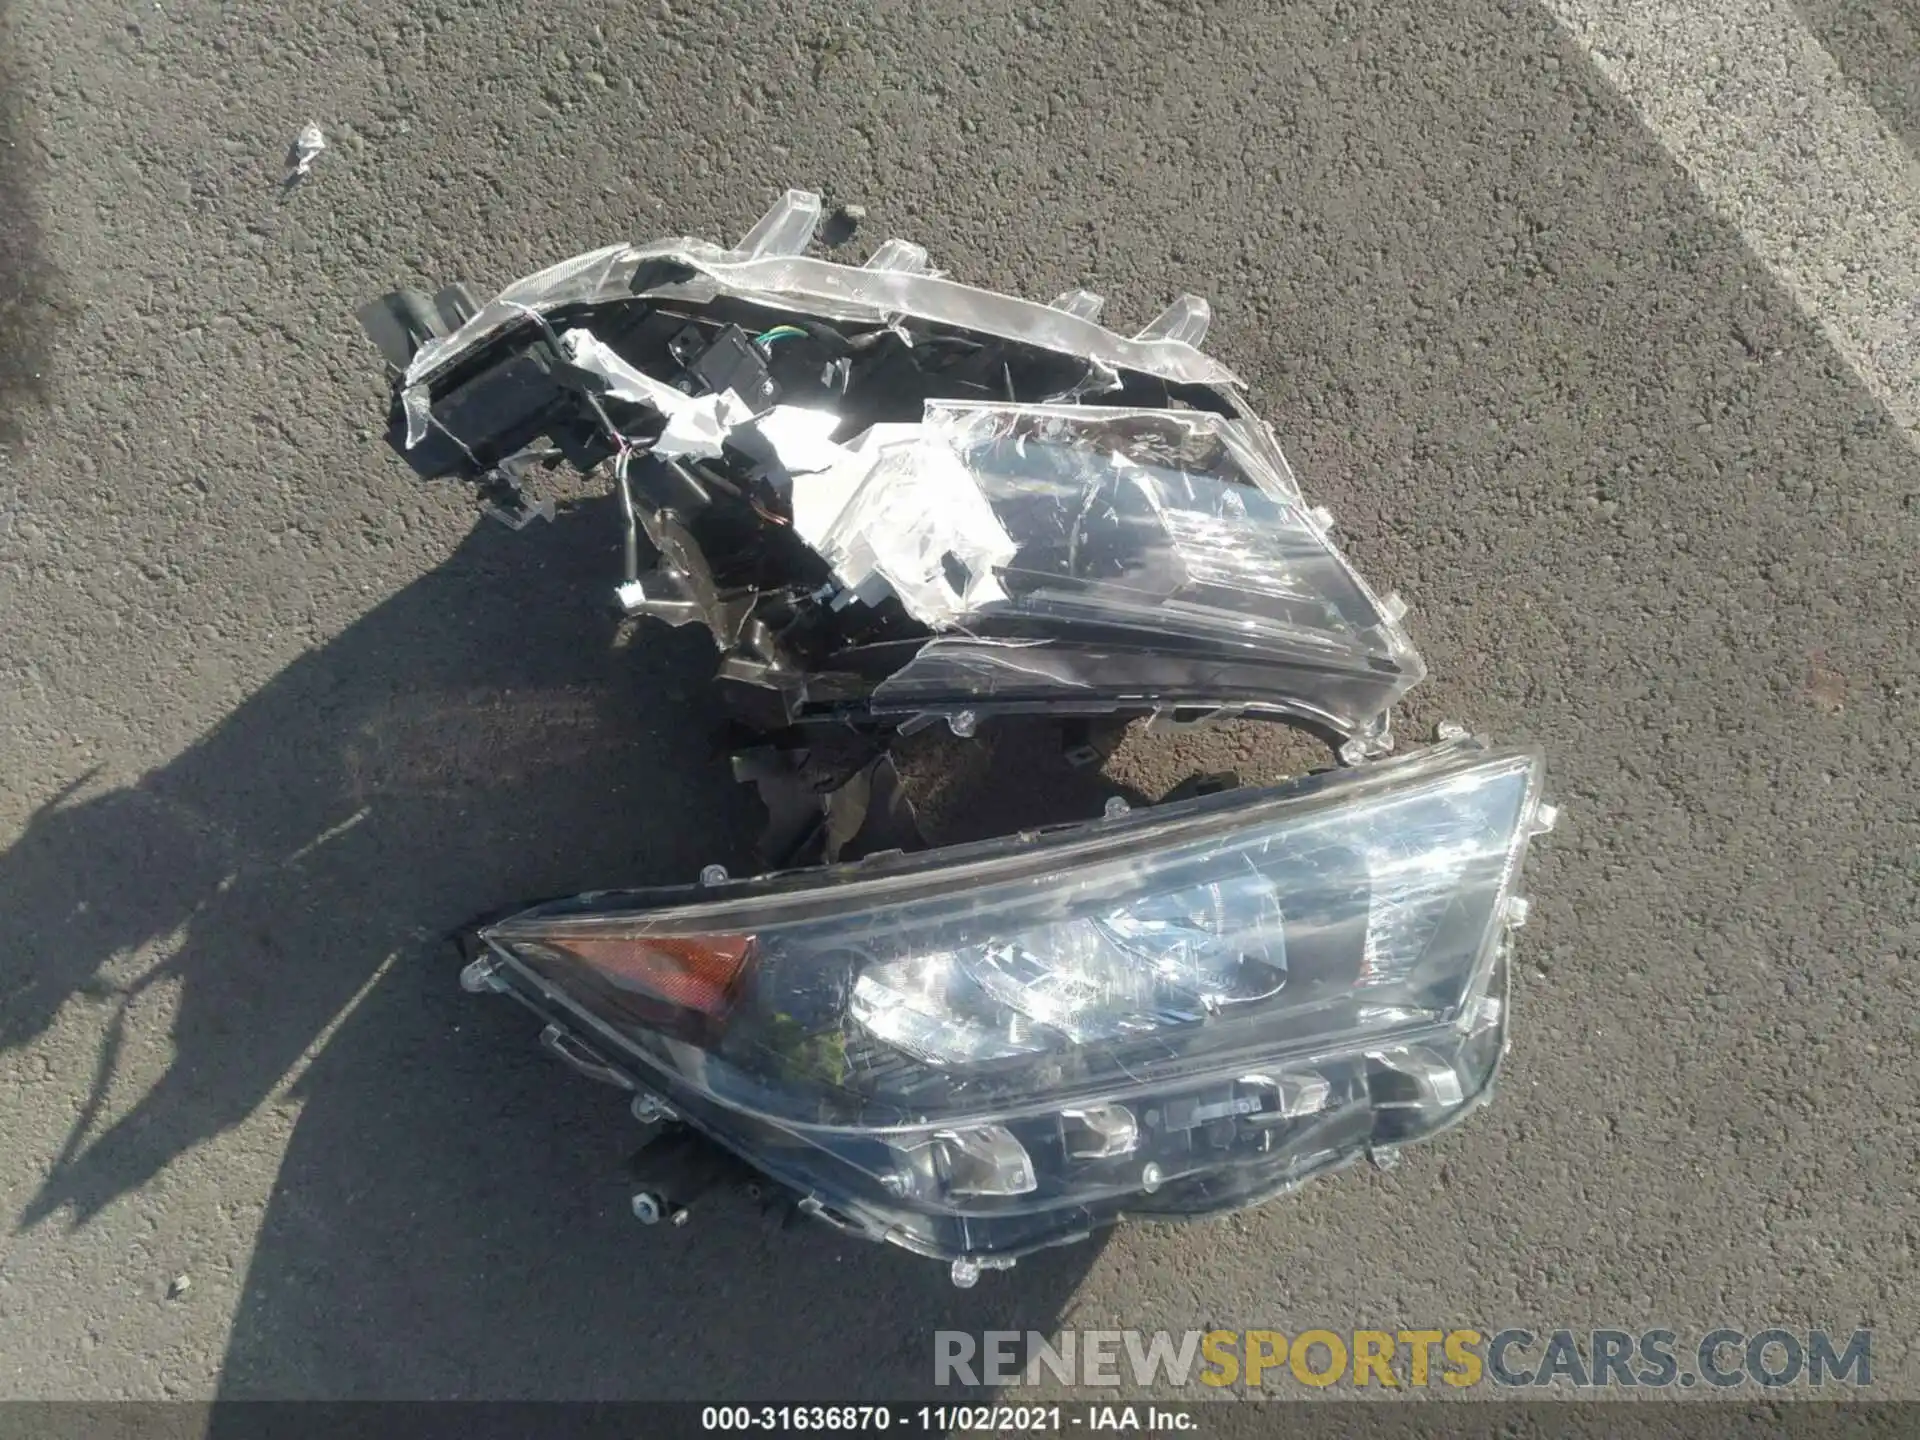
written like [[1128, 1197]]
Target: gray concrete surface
[[275, 714]]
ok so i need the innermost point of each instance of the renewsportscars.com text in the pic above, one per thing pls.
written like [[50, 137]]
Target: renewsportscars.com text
[[1516, 1359]]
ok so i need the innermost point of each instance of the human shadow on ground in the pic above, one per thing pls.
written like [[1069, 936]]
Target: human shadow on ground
[[450, 1218]]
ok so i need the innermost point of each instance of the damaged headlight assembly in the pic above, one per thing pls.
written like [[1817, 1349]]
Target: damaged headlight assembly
[[889, 495], [891, 498]]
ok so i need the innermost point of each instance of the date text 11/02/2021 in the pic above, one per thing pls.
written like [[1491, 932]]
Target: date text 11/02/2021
[[946, 1419]]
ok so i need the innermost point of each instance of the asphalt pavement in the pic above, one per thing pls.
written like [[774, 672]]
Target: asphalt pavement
[[1606, 365]]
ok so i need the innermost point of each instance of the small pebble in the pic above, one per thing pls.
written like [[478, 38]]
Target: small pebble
[[853, 212], [181, 1284]]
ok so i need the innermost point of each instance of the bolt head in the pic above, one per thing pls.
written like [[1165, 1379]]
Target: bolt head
[[477, 976]]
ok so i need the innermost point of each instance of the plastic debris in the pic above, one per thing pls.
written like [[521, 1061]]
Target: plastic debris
[[913, 517], [416, 403], [695, 427], [791, 439], [307, 146]]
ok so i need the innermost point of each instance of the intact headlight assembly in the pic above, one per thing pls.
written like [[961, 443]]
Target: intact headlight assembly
[[979, 1051]]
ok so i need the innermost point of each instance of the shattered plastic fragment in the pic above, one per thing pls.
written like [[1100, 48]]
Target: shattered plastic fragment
[[900, 255], [624, 382], [791, 438], [913, 518], [820, 499], [1185, 320], [1083, 303], [696, 426], [417, 404], [698, 431], [525, 516], [307, 146], [786, 229]]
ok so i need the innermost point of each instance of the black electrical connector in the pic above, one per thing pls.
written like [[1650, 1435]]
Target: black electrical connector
[[731, 362]]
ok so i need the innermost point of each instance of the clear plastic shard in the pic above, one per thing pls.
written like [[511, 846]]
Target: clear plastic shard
[[1149, 528], [786, 229], [901, 256], [1185, 320], [417, 405], [1083, 303], [917, 522], [307, 148], [697, 426]]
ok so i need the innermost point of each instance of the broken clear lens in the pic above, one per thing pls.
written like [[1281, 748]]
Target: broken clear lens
[[1203, 1002], [1159, 549]]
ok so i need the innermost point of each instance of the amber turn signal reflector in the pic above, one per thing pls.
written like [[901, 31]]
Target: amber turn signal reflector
[[700, 973]]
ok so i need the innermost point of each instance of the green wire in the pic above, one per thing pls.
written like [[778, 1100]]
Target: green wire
[[780, 332]]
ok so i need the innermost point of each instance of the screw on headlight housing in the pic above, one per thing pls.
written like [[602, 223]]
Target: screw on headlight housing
[[1370, 743], [650, 1209], [966, 1271], [481, 975], [652, 1110]]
